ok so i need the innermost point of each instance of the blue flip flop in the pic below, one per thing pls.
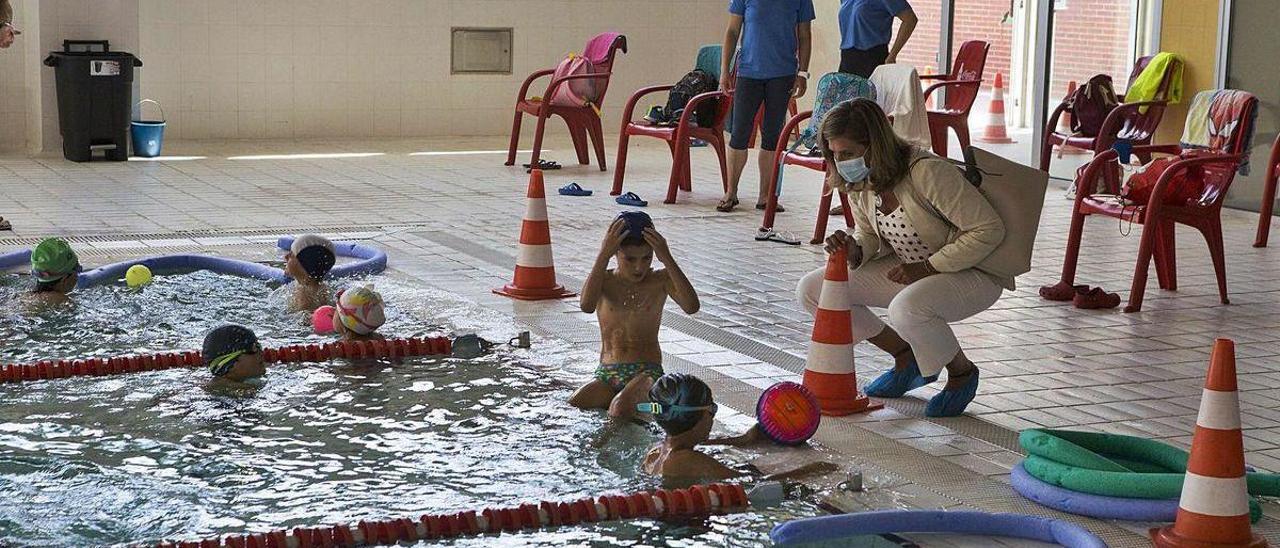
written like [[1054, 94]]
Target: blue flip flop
[[574, 189], [630, 199], [951, 403], [894, 383]]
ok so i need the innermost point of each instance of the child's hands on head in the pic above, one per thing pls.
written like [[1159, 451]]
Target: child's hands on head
[[658, 243], [613, 238]]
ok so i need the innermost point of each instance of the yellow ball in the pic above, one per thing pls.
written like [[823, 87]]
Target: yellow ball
[[137, 276]]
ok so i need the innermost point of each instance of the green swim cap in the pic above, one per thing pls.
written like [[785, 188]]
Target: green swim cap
[[53, 260]]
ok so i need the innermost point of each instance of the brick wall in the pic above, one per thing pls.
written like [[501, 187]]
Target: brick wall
[[1091, 37]]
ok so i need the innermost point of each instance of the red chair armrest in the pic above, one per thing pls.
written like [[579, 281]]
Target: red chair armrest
[[629, 110], [956, 83], [933, 76], [791, 126], [1171, 150], [524, 88], [1052, 124]]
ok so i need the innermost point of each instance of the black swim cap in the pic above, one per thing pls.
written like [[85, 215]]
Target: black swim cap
[[683, 390], [226, 343], [316, 260]]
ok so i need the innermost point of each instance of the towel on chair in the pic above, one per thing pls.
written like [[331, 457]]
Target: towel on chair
[[1211, 122], [898, 93]]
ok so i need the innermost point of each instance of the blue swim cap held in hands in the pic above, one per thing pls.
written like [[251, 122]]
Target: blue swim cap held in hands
[[636, 222]]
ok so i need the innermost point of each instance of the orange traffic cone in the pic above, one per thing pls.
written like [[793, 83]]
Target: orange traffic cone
[[829, 371], [535, 277], [995, 130], [1214, 509], [1064, 125]]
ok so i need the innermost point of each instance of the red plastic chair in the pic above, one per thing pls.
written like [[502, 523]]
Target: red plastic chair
[[679, 136], [582, 121], [962, 88], [1268, 194], [1157, 217], [1126, 121]]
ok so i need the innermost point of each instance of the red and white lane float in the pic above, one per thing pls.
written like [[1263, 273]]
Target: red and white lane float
[[698, 500], [97, 367]]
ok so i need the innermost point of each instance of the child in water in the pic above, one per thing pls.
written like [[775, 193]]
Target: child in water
[[56, 269], [629, 301], [234, 356], [308, 262], [683, 407], [358, 314]]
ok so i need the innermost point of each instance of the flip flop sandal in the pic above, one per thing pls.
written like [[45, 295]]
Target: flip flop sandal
[[1062, 292], [771, 235], [574, 189], [697, 143], [630, 199], [544, 165], [725, 207], [4, 225], [836, 211], [779, 209]]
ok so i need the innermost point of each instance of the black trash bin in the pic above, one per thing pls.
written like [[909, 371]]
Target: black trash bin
[[95, 98]]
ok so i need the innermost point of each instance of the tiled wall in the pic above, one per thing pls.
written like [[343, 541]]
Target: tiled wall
[[315, 68]]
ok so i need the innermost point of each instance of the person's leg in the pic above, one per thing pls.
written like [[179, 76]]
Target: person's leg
[[868, 287], [636, 391], [747, 97], [596, 394], [922, 312], [777, 95]]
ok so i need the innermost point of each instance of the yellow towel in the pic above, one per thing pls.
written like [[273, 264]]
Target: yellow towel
[[1147, 84]]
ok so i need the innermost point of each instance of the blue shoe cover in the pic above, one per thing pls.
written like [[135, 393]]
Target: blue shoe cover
[[951, 403], [894, 383]]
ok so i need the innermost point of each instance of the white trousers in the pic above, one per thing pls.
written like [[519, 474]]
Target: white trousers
[[919, 312]]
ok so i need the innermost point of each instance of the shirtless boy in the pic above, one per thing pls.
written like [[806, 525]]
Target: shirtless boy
[[629, 301]]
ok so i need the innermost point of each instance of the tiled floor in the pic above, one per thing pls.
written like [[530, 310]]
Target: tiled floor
[[453, 219]]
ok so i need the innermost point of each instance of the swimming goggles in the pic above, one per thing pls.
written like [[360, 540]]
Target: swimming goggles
[[655, 408], [221, 365]]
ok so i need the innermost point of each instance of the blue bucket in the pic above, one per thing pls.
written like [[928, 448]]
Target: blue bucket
[[148, 136]]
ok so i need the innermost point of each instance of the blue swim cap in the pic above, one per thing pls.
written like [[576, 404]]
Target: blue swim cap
[[636, 222]]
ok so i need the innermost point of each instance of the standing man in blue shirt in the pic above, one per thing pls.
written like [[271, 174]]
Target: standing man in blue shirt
[[865, 29], [773, 68]]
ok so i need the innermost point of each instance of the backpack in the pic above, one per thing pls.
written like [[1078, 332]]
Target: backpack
[[1090, 105], [579, 92], [1186, 185], [832, 89], [694, 83]]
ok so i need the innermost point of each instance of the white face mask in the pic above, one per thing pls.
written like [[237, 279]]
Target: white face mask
[[853, 171]]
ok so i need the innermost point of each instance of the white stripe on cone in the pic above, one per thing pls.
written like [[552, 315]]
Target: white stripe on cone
[[1219, 410], [832, 359], [1224, 497], [834, 296], [536, 209], [534, 256]]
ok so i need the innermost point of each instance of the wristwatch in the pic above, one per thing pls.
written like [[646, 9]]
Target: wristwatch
[[803, 74]]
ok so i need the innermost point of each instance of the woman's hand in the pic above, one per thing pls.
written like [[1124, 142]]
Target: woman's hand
[[853, 252], [907, 274]]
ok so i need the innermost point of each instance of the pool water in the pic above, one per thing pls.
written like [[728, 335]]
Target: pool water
[[142, 457]]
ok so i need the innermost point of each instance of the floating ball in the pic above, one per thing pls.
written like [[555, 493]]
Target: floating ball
[[137, 276], [788, 413], [322, 320]]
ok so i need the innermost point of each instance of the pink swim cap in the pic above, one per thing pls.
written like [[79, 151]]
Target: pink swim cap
[[322, 320]]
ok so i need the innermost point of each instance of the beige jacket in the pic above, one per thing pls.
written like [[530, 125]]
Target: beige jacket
[[948, 212]]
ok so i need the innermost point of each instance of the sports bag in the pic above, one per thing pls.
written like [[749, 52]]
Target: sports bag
[[579, 92], [692, 84], [1090, 105]]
